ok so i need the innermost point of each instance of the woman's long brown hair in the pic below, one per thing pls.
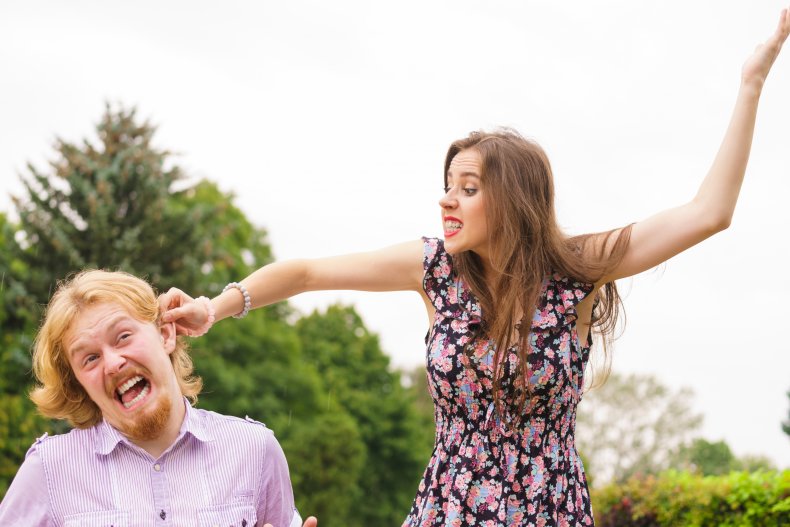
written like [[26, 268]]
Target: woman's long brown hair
[[526, 245]]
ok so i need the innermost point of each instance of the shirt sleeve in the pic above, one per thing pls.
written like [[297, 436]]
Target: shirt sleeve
[[276, 503], [27, 500]]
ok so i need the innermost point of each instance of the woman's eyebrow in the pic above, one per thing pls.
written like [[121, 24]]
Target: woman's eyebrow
[[463, 175]]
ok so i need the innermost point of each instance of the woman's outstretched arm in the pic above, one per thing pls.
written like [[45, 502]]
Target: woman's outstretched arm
[[670, 232], [395, 268]]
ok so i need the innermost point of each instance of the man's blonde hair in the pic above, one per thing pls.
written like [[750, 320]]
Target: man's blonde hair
[[59, 395]]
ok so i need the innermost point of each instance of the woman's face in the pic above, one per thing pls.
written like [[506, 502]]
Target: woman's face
[[463, 209]]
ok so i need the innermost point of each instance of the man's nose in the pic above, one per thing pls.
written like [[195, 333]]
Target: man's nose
[[114, 361]]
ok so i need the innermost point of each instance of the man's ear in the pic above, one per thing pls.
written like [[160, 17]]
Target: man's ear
[[168, 334]]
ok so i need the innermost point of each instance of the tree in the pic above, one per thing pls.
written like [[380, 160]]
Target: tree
[[17, 316], [754, 463], [19, 423], [632, 425], [706, 457], [716, 458], [357, 379], [331, 458], [108, 205], [229, 246]]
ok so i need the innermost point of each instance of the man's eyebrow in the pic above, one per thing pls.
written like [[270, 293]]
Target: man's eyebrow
[[76, 347]]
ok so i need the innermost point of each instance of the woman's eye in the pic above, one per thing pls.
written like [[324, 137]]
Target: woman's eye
[[470, 191], [124, 336]]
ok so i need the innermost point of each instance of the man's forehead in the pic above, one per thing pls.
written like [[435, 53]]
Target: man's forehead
[[94, 320]]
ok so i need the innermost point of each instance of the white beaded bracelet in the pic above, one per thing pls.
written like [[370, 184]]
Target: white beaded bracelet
[[245, 294]]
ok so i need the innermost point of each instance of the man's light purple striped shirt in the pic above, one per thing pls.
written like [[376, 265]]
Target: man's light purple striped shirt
[[220, 471]]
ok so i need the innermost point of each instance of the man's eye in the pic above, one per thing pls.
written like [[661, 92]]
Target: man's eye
[[90, 358]]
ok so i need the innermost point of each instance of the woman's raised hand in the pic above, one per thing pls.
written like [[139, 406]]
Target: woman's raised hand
[[756, 67], [190, 316]]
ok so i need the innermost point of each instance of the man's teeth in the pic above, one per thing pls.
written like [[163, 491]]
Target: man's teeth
[[140, 395], [122, 389]]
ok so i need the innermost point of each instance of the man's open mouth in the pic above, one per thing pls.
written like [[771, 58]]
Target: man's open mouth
[[133, 391]]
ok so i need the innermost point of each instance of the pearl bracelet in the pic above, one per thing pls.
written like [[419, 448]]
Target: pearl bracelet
[[212, 316], [245, 294]]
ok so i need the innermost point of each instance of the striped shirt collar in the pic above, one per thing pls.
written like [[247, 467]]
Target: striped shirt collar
[[108, 437]]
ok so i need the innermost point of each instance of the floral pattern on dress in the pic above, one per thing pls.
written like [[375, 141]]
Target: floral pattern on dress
[[483, 471]]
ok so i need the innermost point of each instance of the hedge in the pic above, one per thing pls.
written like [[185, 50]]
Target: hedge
[[738, 499]]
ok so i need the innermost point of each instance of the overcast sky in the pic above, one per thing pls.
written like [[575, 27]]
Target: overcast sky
[[329, 121]]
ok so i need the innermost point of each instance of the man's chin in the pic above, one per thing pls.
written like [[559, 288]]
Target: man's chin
[[149, 424]]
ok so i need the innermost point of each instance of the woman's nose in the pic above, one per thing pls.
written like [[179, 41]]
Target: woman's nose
[[448, 201]]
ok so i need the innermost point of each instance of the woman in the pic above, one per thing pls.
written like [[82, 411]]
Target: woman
[[511, 303]]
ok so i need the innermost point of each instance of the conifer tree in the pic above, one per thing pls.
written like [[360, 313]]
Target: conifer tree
[[106, 205]]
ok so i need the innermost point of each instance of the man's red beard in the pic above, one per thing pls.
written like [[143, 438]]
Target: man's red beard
[[150, 425]]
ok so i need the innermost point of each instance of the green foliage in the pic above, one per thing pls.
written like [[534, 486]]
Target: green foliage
[[255, 367], [17, 315], [228, 245], [330, 457], [715, 458], [738, 499], [706, 458], [417, 387], [753, 463], [17, 308], [357, 379], [19, 423]]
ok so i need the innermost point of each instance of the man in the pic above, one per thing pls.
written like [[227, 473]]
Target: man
[[139, 453]]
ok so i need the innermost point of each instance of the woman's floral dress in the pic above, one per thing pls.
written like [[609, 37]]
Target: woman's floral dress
[[483, 473]]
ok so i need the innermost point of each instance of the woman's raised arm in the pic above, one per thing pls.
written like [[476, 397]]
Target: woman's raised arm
[[395, 268], [672, 231]]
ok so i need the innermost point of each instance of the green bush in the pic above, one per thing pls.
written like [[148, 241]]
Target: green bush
[[738, 499]]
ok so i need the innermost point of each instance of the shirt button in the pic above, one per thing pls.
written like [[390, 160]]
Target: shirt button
[[157, 467]]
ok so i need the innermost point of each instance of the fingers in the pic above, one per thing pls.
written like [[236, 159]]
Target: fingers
[[173, 314], [164, 301], [783, 28], [311, 522], [170, 302], [172, 298]]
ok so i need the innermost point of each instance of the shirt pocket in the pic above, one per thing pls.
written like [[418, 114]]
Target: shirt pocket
[[98, 519], [229, 515]]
